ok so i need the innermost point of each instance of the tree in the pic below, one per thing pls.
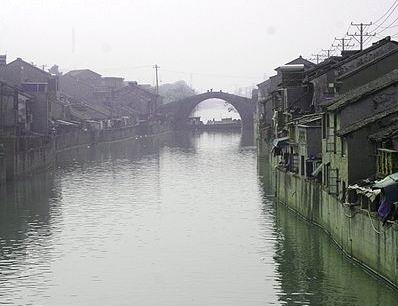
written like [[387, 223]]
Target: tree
[[175, 91]]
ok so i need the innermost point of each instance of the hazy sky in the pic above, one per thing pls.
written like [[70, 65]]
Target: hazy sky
[[216, 43]]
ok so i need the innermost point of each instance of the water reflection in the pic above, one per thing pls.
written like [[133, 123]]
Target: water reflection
[[181, 219], [26, 212], [310, 268]]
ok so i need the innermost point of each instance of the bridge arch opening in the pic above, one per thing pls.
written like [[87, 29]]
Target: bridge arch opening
[[179, 111], [216, 113]]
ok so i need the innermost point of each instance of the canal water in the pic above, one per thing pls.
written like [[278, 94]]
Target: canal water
[[178, 220]]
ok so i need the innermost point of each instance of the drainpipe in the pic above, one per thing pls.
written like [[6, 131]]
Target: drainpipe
[[2, 164]]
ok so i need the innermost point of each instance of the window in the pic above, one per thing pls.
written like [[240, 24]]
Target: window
[[343, 146], [324, 126], [333, 180], [326, 175], [285, 100], [34, 87], [53, 85], [344, 192], [331, 134], [301, 138]]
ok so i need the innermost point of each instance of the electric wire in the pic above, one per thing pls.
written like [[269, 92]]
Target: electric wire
[[395, 2], [393, 7], [388, 27]]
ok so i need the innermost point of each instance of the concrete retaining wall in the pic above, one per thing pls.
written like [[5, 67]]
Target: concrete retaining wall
[[24, 155], [358, 233]]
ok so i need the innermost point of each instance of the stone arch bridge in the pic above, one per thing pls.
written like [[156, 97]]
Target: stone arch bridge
[[180, 110]]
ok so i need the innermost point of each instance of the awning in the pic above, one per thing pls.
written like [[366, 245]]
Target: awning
[[63, 122], [387, 181], [281, 142], [366, 191], [317, 170]]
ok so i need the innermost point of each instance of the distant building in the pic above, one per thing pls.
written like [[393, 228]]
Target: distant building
[[87, 76], [77, 88], [36, 82], [141, 100], [348, 158], [112, 83], [16, 107]]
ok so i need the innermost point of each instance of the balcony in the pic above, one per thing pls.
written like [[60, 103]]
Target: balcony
[[387, 162]]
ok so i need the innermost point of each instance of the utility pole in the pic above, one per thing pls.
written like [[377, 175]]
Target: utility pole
[[344, 43], [317, 57], [361, 27], [156, 67], [328, 51]]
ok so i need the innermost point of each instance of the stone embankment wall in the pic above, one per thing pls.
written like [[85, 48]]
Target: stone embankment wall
[[26, 154], [356, 231], [23, 155]]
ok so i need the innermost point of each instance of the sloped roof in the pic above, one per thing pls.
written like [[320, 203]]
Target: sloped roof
[[300, 60], [20, 60], [136, 91], [264, 83], [387, 132], [339, 61], [308, 118], [374, 46], [361, 92], [76, 72], [86, 112], [323, 67], [76, 79], [368, 64], [364, 122]]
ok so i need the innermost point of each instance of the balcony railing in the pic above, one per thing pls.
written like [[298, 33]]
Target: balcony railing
[[387, 162]]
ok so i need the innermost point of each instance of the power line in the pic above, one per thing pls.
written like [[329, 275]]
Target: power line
[[387, 15], [388, 27], [328, 51], [345, 43], [317, 57], [394, 5], [393, 26], [361, 27]]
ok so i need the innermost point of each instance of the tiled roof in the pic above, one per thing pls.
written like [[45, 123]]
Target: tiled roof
[[358, 93], [29, 64], [339, 61], [87, 112], [364, 122], [368, 64], [389, 131], [76, 72]]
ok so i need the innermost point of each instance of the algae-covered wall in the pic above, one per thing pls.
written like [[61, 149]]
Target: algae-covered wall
[[24, 155], [360, 235]]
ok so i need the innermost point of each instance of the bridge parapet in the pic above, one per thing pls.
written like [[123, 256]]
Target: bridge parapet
[[180, 110]]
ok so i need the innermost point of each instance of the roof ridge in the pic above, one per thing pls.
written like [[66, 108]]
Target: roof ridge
[[365, 90], [25, 62], [368, 120]]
